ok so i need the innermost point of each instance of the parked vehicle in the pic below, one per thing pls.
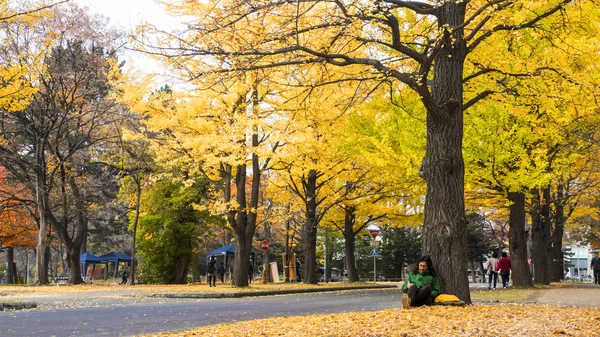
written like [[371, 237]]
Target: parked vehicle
[[478, 276], [337, 275]]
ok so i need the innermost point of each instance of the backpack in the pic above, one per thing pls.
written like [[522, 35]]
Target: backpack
[[448, 299]]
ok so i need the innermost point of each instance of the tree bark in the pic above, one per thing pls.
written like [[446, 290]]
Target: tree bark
[[10, 261], [557, 266], [138, 196], [540, 236], [309, 229], [350, 244], [41, 270], [444, 227], [517, 235]]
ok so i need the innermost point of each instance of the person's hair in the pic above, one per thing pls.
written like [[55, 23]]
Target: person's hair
[[504, 255], [495, 255], [426, 259]]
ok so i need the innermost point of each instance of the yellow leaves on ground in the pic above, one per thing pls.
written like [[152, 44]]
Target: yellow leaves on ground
[[501, 320], [101, 286]]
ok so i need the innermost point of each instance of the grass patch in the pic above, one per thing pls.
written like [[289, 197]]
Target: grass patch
[[510, 294]]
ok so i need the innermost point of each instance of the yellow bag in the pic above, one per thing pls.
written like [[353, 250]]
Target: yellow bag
[[446, 298]]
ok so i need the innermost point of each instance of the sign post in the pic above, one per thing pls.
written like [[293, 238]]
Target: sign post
[[374, 252]]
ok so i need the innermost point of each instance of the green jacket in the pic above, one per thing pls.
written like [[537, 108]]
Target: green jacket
[[421, 280]]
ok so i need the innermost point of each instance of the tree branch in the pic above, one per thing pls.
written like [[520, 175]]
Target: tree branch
[[524, 25]]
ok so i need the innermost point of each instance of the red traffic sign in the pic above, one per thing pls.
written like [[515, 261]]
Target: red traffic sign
[[374, 232], [264, 245]]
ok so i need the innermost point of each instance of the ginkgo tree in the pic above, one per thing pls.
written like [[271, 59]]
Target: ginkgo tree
[[421, 46], [532, 133], [227, 134]]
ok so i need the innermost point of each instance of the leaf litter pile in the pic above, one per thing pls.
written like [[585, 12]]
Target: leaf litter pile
[[476, 320]]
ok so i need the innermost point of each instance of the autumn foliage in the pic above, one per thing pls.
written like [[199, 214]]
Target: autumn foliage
[[17, 227], [492, 321]]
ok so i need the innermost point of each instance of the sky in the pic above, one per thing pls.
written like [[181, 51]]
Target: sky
[[127, 14]]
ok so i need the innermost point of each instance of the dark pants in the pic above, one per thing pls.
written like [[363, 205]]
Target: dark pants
[[494, 276], [505, 280], [596, 276], [419, 296]]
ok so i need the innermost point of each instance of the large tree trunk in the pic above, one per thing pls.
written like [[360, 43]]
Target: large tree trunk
[[11, 278], [517, 235], [41, 270], [444, 227], [138, 196], [180, 268], [540, 236], [557, 267], [349, 244], [309, 229], [73, 264]]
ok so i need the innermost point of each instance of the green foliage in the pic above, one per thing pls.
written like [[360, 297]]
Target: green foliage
[[400, 247], [170, 228], [478, 245]]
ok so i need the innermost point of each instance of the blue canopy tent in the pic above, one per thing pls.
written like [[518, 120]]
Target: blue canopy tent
[[227, 252], [87, 259], [116, 258]]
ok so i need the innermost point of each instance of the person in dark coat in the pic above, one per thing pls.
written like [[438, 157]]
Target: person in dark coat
[[595, 267], [250, 272], [124, 277], [221, 272], [211, 272]]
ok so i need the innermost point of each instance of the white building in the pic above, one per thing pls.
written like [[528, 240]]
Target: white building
[[580, 262]]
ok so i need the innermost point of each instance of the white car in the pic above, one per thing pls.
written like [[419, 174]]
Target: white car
[[336, 275], [478, 276]]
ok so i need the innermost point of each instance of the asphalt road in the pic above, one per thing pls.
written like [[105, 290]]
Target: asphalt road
[[174, 315]]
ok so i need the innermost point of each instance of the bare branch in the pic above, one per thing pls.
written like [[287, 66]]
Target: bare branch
[[477, 98], [32, 11], [417, 7], [529, 24]]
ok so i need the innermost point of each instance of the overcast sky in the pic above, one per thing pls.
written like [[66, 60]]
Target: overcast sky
[[128, 14]]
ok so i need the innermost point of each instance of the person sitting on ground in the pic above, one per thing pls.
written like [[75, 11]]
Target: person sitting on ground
[[421, 286]]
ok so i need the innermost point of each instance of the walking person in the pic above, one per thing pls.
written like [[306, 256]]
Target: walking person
[[124, 277], [250, 272], [492, 270], [211, 272], [504, 269], [422, 286], [595, 267], [221, 272]]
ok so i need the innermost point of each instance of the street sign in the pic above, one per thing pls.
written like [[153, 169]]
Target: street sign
[[374, 233], [375, 252], [264, 245]]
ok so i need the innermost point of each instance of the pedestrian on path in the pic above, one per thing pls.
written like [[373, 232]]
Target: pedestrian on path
[[504, 269], [124, 277], [422, 286], [250, 272], [221, 272], [492, 270], [211, 272], [595, 267]]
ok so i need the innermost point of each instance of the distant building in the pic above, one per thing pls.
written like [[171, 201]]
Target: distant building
[[579, 262]]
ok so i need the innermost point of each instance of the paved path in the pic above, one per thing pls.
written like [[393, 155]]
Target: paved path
[[158, 315], [583, 295]]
